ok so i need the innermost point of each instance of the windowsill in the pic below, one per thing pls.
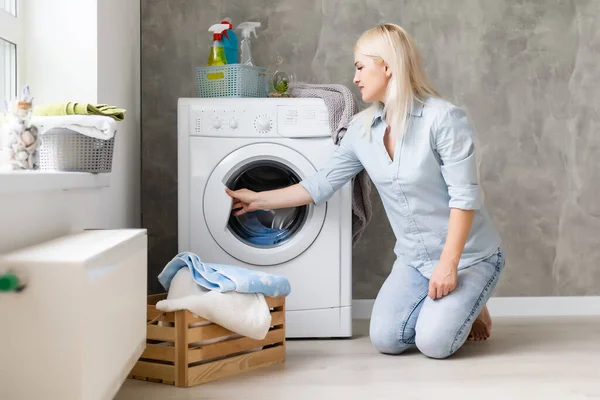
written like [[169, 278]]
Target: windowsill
[[41, 181]]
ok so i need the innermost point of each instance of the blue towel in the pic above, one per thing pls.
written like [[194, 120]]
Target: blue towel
[[225, 278]]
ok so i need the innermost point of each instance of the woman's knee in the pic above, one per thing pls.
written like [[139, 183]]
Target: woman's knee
[[396, 309], [386, 338], [392, 331], [437, 343]]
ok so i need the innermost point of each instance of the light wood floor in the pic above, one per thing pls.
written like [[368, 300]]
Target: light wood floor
[[542, 358]]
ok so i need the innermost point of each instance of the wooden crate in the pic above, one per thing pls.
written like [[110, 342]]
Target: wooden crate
[[185, 351]]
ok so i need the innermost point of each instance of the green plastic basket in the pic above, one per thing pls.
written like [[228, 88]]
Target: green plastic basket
[[232, 80]]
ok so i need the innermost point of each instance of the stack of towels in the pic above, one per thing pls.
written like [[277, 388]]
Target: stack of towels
[[231, 296], [95, 120]]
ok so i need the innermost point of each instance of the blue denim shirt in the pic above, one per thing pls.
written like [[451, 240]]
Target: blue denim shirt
[[433, 170]]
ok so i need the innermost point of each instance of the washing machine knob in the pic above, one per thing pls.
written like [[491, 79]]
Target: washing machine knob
[[217, 124], [233, 124], [263, 124]]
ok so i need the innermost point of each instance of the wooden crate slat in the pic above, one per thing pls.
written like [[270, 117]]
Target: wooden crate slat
[[274, 302], [154, 371], [233, 346], [164, 333], [152, 313], [206, 332], [234, 365], [181, 349], [158, 352], [277, 318]]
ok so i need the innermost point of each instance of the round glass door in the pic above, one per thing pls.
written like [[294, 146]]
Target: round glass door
[[264, 237], [266, 228]]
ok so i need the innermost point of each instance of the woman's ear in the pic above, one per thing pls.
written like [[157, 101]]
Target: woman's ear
[[388, 71]]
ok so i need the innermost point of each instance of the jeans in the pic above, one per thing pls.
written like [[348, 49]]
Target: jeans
[[404, 315]]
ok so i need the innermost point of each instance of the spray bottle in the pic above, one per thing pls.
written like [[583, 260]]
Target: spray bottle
[[230, 43], [246, 50], [217, 51]]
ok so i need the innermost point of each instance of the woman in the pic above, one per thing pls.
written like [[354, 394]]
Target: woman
[[419, 152]]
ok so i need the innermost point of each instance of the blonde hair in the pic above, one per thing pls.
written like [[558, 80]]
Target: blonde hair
[[391, 44]]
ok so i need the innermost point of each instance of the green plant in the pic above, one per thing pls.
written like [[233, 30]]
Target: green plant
[[281, 86]]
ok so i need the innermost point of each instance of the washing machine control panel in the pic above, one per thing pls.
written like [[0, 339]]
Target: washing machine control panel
[[232, 122], [256, 118]]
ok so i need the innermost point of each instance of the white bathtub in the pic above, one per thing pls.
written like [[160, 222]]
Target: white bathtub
[[79, 325]]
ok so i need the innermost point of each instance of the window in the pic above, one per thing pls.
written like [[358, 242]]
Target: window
[[10, 6], [10, 36], [8, 70]]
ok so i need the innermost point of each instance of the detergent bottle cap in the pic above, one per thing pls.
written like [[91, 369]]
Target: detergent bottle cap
[[218, 30], [247, 28]]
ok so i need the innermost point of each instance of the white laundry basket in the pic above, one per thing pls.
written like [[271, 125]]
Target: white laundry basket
[[66, 150]]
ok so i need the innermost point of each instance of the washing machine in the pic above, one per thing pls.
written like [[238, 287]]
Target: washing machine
[[263, 144]]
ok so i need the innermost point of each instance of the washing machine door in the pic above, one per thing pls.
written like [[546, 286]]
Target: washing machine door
[[264, 237]]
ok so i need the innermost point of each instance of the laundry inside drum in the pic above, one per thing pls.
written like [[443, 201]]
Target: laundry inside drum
[[266, 228]]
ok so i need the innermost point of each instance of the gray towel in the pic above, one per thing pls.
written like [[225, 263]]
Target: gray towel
[[341, 106]]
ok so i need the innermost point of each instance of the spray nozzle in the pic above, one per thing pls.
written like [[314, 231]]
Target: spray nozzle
[[227, 21], [247, 28], [218, 30]]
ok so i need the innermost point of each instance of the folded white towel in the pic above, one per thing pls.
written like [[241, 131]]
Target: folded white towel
[[244, 313], [96, 126]]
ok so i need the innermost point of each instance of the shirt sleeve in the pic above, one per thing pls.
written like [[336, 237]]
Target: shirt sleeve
[[340, 168], [455, 145]]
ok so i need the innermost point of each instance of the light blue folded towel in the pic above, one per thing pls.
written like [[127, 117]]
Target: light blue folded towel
[[225, 278]]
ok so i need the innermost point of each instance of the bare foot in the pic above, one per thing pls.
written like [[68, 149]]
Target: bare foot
[[482, 326]]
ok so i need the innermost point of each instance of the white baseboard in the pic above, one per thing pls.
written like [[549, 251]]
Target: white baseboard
[[516, 306]]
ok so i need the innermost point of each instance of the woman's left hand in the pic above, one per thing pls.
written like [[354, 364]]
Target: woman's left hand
[[443, 280]]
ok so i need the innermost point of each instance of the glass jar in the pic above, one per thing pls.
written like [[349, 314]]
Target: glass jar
[[281, 82], [20, 140]]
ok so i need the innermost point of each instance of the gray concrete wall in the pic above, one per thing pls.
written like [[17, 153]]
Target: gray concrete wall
[[526, 71]]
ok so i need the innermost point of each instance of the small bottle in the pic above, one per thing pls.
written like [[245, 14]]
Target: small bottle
[[245, 48], [230, 43], [217, 51]]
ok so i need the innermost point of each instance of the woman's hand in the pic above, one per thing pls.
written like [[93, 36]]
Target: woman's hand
[[445, 274], [244, 200], [443, 280]]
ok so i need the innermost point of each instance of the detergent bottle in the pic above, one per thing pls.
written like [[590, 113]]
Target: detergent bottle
[[246, 50], [217, 51], [230, 43]]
